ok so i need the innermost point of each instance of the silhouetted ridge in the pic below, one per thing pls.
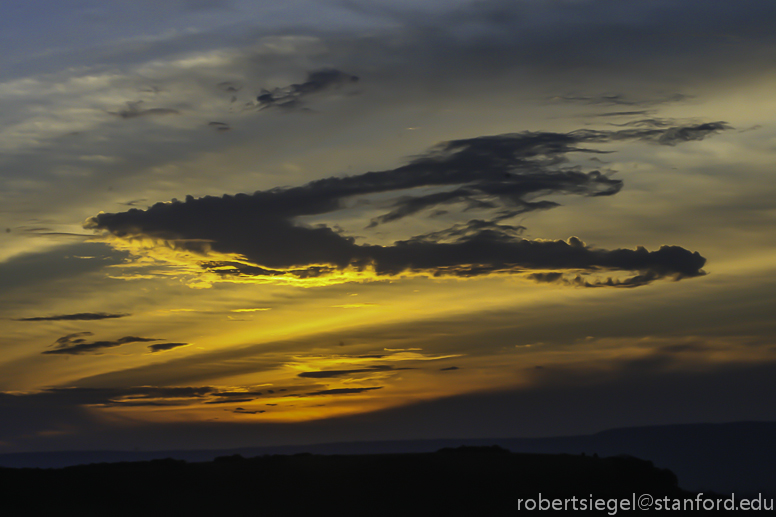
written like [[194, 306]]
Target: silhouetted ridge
[[473, 449], [462, 481], [743, 460]]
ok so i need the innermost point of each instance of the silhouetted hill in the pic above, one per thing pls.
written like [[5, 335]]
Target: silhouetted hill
[[732, 458], [467, 481], [725, 458]]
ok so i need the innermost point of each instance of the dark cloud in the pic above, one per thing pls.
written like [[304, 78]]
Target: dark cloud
[[26, 410], [229, 87], [133, 111], [449, 368], [696, 347], [75, 344], [673, 135], [502, 175], [621, 113], [751, 128], [546, 277], [134, 202], [328, 374], [48, 233], [161, 347], [219, 126], [237, 393], [341, 391], [625, 398], [291, 96], [44, 231], [45, 268], [618, 99], [243, 411], [135, 396], [78, 316], [644, 41], [650, 123], [668, 261]]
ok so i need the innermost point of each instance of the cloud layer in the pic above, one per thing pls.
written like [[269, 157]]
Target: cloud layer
[[265, 97]]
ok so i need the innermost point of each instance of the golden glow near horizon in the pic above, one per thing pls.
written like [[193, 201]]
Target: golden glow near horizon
[[354, 280]]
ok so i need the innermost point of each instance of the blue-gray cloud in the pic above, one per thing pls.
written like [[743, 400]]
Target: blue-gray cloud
[[292, 96]]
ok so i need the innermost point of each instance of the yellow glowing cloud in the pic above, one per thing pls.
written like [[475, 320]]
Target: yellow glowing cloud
[[197, 265]]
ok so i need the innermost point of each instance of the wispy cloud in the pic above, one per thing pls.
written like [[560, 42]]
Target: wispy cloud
[[341, 391], [163, 347], [81, 316], [75, 344], [292, 96], [134, 110], [328, 374]]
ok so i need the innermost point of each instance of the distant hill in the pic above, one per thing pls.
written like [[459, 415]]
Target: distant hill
[[464, 481], [735, 458]]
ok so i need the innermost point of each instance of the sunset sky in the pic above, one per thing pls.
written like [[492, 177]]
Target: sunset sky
[[230, 223]]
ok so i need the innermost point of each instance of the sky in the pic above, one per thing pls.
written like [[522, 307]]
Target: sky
[[229, 223]]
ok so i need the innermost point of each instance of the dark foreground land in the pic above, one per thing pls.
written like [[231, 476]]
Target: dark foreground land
[[483, 481]]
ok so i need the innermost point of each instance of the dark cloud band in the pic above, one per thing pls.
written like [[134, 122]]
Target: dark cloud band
[[341, 391], [162, 347], [328, 374], [75, 344], [82, 316]]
